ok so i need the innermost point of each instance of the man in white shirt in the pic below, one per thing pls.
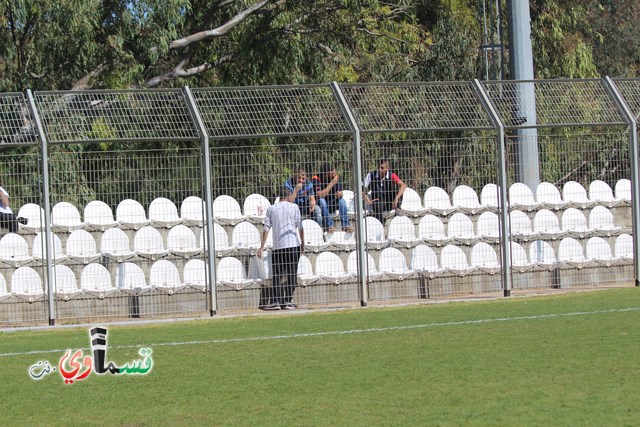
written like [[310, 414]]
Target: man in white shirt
[[7, 217], [283, 219]]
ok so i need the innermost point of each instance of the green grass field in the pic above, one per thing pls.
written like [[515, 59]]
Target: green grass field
[[569, 359]]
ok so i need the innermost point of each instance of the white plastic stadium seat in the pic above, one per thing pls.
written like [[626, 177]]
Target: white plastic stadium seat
[[231, 273], [547, 225], [129, 276], [374, 234], [488, 227], [393, 264], [131, 215], [14, 250], [95, 279], [623, 192], [192, 211], [163, 213], [548, 195], [424, 261], [220, 238], [372, 272], [437, 200], [571, 254], [194, 274], [411, 204], [164, 275], [81, 247], [521, 197], [65, 283], [489, 197], [341, 241], [114, 244], [519, 260], [330, 269], [460, 229], [623, 248], [431, 231], [182, 242], [601, 222], [313, 236], [348, 197], [39, 251], [255, 207], [226, 210], [575, 224], [484, 258], [601, 193], [542, 254], [35, 218], [306, 276], [465, 199], [454, 261], [598, 250], [98, 216], [520, 226], [65, 217], [574, 193], [148, 244], [26, 282], [402, 233], [245, 238]]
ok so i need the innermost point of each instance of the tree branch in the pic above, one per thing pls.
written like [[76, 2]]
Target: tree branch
[[180, 71], [221, 30]]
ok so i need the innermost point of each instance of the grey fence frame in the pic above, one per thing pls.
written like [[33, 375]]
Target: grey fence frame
[[341, 115]]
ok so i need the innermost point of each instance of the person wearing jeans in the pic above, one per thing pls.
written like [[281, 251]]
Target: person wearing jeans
[[328, 189], [283, 218]]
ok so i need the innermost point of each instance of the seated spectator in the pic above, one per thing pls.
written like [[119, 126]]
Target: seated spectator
[[301, 193], [328, 189], [7, 218], [386, 190]]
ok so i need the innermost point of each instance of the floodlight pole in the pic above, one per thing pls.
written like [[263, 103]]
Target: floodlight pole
[[208, 194], [505, 234], [357, 193], [48, 237], [635, 175]]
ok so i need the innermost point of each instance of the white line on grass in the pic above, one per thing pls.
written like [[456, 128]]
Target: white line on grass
[[346, 332]]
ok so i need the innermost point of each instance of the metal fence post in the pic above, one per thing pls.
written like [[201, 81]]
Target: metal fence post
[[635, 175], [208, 194], [357, 197], [50, 279], [505, 247]]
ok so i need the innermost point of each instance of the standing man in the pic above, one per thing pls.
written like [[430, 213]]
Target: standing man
[[301, 193], [328, 189], [386, 190], [288, 244]]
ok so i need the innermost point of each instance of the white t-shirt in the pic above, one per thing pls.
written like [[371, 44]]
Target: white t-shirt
[[3, 208], [283, 218]]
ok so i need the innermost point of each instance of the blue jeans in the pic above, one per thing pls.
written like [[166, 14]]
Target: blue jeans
[[328, 210]]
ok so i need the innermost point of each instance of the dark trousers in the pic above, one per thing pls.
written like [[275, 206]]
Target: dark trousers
[[285, 266], [10, 221], [383, 204]]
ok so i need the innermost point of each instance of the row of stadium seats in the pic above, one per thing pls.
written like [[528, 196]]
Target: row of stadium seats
[[329, 267], [163, 213], [401, 232], [95, 279]]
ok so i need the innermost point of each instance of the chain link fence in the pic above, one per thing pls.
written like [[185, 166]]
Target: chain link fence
[[136, 204]]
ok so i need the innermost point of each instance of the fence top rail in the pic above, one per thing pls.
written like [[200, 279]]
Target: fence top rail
[[115, 115], [418, 106], [269, 111], [558, 103], [15, 120], [630, 91]]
